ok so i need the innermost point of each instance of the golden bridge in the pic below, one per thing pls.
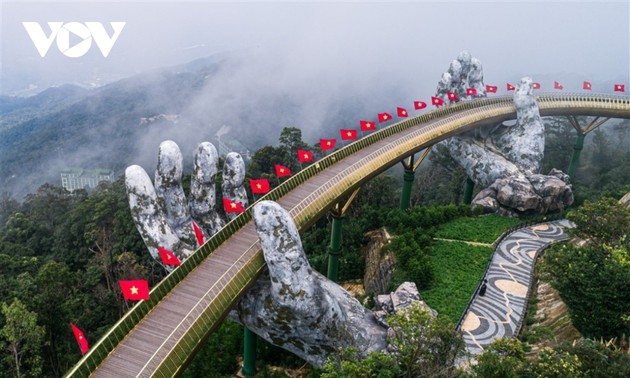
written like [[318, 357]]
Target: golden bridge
[[159, 336]]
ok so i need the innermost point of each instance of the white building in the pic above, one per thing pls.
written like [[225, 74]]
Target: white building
[[79, 178]]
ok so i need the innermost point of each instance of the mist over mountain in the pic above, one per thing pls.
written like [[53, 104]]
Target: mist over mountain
[[123, 123]]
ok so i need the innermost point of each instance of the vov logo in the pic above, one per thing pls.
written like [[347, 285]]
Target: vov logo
[[86, 32]]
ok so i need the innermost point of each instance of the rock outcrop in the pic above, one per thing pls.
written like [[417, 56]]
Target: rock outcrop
[[379, 263], [504, 159]]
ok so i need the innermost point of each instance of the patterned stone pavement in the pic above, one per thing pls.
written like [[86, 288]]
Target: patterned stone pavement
[[501, 310]]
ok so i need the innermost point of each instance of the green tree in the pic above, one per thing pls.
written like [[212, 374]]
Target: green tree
[[424, 346], [593, 278], [22, 338], [504, 358]]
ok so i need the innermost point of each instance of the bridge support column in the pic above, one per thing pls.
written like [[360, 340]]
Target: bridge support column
[[249, 353], [335, 247], [579, 142], [405, 197], [338, 213], [577, 149], [468, 191], [410, 171]]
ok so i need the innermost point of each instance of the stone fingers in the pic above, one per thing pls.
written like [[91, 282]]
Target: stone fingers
[[233, 178], [202, 189], [169, 191], [149, 217]]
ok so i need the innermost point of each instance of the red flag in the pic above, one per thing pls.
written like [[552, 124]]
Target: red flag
[[260, 186], [536, 85], [510, 87], [436, 101], [452, 96], [282, 171], [232, 207], [586, 85], [419, 105], [134, 290], [327, 144], [383, 117], [557, 85], [304, 156], [620, 88], [198, 234], [348, 134], [471, 91], [402, 112], [80, 337], [492, 88], [168, 257], [367, 126]]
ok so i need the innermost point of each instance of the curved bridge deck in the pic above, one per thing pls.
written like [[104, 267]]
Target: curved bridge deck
[[157, 337]]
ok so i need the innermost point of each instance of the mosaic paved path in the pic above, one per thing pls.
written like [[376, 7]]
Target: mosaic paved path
[[500, 311]]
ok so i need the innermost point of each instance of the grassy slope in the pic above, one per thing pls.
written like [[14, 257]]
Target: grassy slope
[[458, 267]]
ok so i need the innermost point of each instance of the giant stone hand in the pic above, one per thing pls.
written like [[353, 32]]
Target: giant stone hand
[[505, 158], [290, 305]]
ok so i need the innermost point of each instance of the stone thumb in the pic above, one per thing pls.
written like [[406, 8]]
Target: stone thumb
[[290, 273]]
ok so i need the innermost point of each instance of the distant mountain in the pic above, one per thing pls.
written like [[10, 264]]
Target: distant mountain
[[72, 126], [122, 123]]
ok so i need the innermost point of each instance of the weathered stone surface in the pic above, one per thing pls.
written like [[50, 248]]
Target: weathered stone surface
[[536, 193], [233, 177], [202, 200], [404, 296], [506, 156], [379, 264], [300, 310], [516, 193]]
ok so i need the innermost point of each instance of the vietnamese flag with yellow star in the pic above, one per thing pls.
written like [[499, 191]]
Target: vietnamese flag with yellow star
[[402, 112], [281, 170], [259, 186], [367, 126], [491, 88], [327, 144], [232, 207], [536, 85], [168, 257], [80, 337], [452, 96], [134, 290], [198, 233], [620, 88], [419, 105], [510, 87], [384, 117], [304, 156], [348, 134], [437, 101]]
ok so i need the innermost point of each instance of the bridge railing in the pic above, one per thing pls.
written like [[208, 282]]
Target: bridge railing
[[90, 361]]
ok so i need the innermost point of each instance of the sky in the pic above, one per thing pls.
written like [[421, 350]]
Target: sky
[[322, 43], [314, 65]]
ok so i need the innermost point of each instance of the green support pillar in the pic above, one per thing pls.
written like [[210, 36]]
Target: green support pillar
[[577, 149], [468, 191], [335, 248], [249, 353], [405, 198]]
